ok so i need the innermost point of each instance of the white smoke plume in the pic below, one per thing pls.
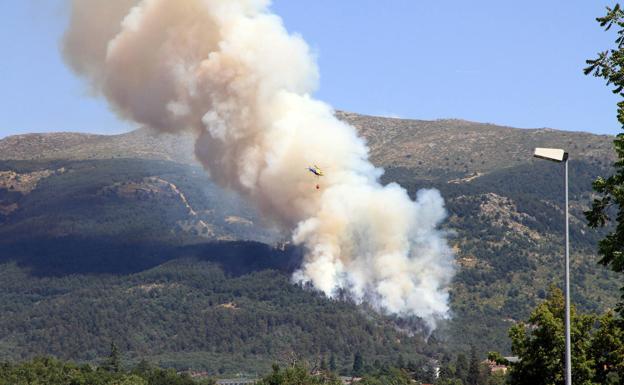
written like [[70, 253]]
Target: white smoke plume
[[228, 71]]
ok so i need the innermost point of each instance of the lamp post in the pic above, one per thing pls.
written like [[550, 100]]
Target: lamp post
[[560, 156]]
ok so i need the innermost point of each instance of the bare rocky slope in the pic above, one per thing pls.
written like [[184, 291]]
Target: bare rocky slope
[[467, 147], [424, 146]]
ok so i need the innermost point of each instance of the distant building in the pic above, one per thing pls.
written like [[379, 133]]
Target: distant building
[[194, 374], [495, 367]]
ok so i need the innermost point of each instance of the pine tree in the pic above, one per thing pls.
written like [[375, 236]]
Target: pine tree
[[473, 371], [461, 367], [332, 363], [400, 362], [323, 364], [429, 372], [358, 364], [446, 370], [142, 367], [113, 364]]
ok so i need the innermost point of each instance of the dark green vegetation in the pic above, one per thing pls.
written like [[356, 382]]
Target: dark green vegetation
[[50, 371], [509, 228], [188, 313], [145, 251], [298, 375], [137, 200], [84, 264], [597, 342], [398, 373], [505, 214], [609, 204], [597, 346]]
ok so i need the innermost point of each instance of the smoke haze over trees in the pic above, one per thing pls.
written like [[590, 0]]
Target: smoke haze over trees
[[228, 72]]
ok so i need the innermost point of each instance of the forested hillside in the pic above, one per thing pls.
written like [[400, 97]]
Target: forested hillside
[[103, 239], [152, 256]]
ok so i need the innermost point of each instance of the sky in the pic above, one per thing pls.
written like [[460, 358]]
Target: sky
[[514, 63]]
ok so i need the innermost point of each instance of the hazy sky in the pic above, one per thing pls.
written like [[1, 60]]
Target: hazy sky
[[517, 63]]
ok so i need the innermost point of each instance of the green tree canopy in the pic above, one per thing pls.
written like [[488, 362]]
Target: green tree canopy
[[113, 363], [609, 65], [49, 371], [607, 348], [461, 367], [474, 368], [597, 347], [540, 345], [387, 376], [297, 375], [358, 364], [332, 363]]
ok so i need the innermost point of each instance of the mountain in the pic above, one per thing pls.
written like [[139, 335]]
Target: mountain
[[125, 238], [430, 148], [139, 144], [505, 211]]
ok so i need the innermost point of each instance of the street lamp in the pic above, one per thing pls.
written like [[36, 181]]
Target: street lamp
[[559, 155]]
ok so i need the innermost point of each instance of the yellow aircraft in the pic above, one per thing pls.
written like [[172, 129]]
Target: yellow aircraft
[[316, 170]]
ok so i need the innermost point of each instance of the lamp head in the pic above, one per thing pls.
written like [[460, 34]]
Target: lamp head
[[553, 154]]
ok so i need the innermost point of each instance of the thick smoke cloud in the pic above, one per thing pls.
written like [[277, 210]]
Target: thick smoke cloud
[[228, 71]]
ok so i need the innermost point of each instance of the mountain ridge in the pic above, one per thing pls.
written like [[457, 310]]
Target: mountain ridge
[[11, 146], [503, 209]]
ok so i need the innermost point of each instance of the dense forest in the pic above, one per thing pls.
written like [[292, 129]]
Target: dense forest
[[189, 313], [151, 255], [50, 371], [154, 256], [508, 228]]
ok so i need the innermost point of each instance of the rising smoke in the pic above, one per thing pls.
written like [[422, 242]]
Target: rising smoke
[[228, 71]]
